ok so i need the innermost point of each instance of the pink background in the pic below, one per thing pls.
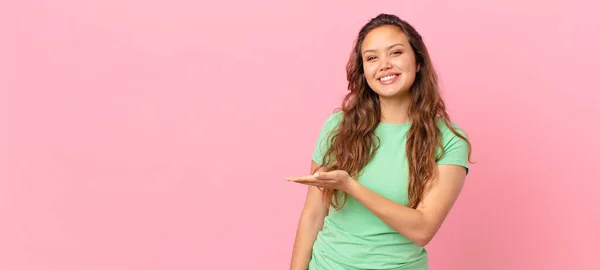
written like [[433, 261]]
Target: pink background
[[135, 135]]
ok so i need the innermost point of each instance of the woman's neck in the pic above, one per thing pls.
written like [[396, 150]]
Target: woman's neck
[[395, 111]]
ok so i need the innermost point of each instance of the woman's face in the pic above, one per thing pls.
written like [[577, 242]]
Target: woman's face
[[388, 61]]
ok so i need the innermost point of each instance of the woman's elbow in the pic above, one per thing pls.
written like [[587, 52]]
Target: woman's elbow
[[423, 241], [423, 237]]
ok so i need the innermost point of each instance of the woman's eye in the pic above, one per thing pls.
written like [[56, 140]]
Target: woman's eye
[[397, 52], [370, 58]]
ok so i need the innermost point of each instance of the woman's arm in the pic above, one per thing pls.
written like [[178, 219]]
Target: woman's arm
[[421, 224], [311, 222]]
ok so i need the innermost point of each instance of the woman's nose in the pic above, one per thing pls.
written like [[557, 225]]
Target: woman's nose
[[385, 63]]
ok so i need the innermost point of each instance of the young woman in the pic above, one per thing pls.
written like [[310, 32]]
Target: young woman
[[388, 166]]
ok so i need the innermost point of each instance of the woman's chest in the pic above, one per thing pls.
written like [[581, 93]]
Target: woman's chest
[[387, 172]]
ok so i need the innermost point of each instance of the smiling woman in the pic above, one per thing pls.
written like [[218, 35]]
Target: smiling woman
[[399, 69], [388, 167]]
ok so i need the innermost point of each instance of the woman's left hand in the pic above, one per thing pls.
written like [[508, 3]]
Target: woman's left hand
[[338, 179]]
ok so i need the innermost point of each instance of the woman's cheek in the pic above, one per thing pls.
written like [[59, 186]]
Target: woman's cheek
[[370, 71]]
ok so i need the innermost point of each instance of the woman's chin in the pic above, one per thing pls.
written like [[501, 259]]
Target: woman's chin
[[391, 92]]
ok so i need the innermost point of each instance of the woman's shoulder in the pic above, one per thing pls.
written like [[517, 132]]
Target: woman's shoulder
[[455, 148], [334, 118], [446, 132]]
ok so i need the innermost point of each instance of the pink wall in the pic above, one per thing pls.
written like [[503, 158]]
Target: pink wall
[[134, 135]]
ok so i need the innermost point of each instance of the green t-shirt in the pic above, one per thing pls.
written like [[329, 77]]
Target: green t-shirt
[[354, 238]]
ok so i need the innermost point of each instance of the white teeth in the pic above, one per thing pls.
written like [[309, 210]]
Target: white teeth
[[387, 78]]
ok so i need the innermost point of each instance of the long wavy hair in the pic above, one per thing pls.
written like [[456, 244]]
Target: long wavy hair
[[353, 142]]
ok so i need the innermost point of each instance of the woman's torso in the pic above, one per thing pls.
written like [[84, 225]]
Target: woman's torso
[[353, 237]]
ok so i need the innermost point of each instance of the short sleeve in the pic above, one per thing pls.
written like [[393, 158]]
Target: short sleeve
[[324, 140], [456, 150]]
